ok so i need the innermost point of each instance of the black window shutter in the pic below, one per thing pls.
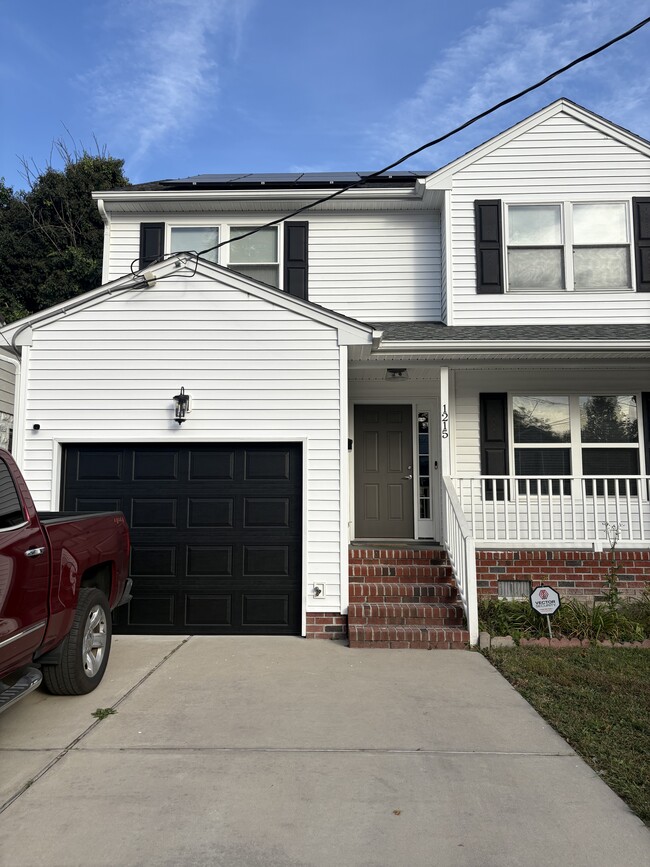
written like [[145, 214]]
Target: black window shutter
[[489, 256], [152, 243], [296, 246], [494, 441], [645, 408], [641, 211]]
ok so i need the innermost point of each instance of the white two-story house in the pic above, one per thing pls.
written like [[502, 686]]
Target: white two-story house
[[450, 364]]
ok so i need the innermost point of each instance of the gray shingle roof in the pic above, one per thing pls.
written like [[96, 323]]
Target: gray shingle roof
[[429, 331]]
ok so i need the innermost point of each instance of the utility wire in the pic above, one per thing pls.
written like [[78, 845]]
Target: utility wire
[[431, 143]]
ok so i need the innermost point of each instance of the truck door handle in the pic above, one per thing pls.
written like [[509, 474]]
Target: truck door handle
[[34, 552]]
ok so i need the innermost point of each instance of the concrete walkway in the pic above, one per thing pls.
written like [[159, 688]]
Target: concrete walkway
[[281, 751]]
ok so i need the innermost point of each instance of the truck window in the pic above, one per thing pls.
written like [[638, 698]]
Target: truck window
[[11, 513]]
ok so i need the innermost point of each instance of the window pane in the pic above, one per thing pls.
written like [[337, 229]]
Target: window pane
[[534, 224], [542, 462], [264, 273], [608, 419], [260, 247], [11, 512], [541, 419], [195, 238], [601, 267], [600, 224], [610, 462], [535, 268]]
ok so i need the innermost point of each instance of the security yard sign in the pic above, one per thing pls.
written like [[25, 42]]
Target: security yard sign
[[545, 601]]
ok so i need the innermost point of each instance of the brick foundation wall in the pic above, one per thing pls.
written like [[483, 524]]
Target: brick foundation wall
[[327, 625], [571, 573]]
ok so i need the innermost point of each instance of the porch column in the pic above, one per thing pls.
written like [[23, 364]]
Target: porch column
[[445, 423]]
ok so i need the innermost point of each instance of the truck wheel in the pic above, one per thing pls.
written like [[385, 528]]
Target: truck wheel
[[85, 649]]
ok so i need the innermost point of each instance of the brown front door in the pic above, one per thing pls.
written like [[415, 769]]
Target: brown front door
[[383, 475]]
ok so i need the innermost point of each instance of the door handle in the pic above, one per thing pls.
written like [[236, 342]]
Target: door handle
[[407, 477], [34, 552]]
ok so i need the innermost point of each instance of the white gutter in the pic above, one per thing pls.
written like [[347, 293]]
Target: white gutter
[[107, 240], [109, 196], [389, 347]]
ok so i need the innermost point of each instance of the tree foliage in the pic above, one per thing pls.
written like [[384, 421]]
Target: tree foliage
[[51, 235]]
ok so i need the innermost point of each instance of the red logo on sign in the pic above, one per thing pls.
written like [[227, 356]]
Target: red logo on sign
[[543, 594]]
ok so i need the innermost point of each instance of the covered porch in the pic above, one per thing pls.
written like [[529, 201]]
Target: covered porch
[[525, 450]]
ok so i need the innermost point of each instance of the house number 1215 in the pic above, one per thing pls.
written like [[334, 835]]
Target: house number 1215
[[444, 418]]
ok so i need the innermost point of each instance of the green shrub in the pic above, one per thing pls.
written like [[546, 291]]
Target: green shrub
[[590, 621]]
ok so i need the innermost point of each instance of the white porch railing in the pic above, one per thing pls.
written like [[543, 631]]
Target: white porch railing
[[555, 509], [461, 550]]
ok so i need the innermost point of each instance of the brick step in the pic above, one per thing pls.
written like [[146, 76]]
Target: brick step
[[405, 614], [395, 558], [397, 553], [385, 591], [413, 637], [403, 572]]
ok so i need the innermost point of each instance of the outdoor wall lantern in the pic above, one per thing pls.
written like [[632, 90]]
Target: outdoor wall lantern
[[182, 405]]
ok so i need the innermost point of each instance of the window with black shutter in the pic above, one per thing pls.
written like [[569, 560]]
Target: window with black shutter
[[489, 256], [296, 248], [152, 243], [641, 209]]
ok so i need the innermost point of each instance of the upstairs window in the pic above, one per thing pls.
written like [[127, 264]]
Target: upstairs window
[[195, 238], [568, 246], [257, 255]]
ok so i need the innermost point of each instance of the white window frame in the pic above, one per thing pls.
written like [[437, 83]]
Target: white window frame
[[567, 245], [252, 224], [212, 224], [575, 445]]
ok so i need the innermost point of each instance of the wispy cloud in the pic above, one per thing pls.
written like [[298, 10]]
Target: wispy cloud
[[514, 45], [161, 70]]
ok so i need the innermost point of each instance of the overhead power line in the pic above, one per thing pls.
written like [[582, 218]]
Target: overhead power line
[[366, 179]]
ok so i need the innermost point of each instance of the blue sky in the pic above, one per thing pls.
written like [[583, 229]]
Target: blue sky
[[182, 87]]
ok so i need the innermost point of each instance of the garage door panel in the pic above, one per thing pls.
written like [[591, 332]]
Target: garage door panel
[[155, 465], [209, 512], [152, 562], [266, 464], [98, 465], [266, 512], [150, 513], [207, 610], [151, 611], [208, 561], [213, 466], [216, 532]]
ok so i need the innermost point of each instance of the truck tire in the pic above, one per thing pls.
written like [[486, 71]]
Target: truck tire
[[85, 650]]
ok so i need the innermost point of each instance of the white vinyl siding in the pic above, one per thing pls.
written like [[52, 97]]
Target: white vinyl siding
[[7, 382], [256, 372], [560, 160], [383, 266]]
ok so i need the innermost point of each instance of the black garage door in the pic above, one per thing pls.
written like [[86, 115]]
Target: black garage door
[[215, 532]]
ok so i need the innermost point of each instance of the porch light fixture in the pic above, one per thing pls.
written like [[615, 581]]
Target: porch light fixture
[[396, 373], [182, 406]]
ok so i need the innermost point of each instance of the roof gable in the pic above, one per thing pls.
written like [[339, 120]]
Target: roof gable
[[351, 332], [442, 177]]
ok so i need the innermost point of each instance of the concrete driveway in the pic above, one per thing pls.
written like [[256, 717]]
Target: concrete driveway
[[281, 751]]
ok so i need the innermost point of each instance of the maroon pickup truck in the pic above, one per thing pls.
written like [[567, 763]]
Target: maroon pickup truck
[[61, 573]]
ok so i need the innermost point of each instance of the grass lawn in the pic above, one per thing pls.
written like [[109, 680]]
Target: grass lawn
[[598, 699]]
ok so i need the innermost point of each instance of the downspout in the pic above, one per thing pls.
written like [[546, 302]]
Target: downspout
[[107, 237]]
